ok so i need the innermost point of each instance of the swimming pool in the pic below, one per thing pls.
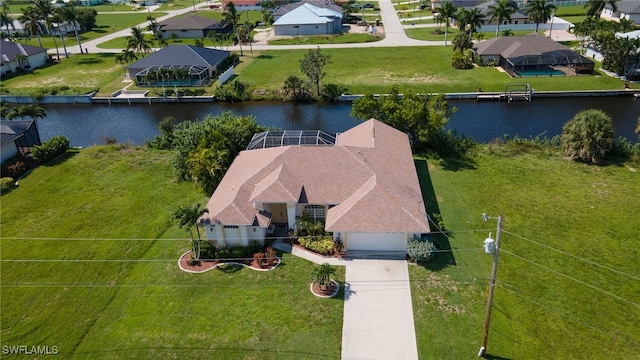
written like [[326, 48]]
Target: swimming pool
[[539, 72]]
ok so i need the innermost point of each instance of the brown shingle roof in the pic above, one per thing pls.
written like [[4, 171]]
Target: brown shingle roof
[[369, 175], [512, 46]]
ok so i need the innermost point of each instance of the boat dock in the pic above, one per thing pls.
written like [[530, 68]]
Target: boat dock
[[510, 93]]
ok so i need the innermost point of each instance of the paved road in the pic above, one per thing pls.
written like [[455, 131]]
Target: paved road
[[378, 313]]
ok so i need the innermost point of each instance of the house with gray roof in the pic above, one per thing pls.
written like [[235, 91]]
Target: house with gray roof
[[532, 55], [308, 18], [14, 56], [191, 27], [200, 63], [625, 9], [361, 184], [17, 137]]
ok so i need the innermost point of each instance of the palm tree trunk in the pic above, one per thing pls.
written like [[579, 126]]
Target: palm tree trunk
[[39, 40], [64, 46], [55, 43], [75, 30]]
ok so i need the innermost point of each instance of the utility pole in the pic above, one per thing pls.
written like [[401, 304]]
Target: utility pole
[[492, 285]]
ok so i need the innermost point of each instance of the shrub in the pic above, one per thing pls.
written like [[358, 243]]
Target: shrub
[[15, 168], [51, 149], [461, 60], [6, 183], [420, 251], [322, 246], [207, 250], [588, 136], [331, 92], [624, 147]]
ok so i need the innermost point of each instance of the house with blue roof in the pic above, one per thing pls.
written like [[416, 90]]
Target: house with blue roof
[[308, 18]]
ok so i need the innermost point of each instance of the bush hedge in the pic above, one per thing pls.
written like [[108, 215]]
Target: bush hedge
[[322, 246], [51, 149], [419, 251]]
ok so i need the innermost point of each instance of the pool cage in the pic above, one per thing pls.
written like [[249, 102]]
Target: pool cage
[[566, 60], [269, 139], [173, 75]]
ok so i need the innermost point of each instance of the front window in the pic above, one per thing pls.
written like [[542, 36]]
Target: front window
[[317, 211]]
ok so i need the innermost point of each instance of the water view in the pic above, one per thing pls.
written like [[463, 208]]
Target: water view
[[86, 125]]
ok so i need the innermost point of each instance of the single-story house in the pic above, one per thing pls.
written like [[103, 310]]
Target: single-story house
[[516, 18], [17, 137], [191, 27], [532, 55], [362, 184], [15, 55], [625, 9], [242, 5], [201, 64], [308, 18]]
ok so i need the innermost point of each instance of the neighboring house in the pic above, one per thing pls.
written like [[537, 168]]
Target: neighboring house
[[532, 55], [362, 185], [202, 64], [242, 5], [17, 137], [517, 17], [625, 9], [15, 55], [308, 18], [191, 27]]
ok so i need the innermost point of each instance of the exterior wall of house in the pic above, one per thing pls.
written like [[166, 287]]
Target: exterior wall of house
[[373, 241], [183, 34], [633, 17], [297, 30], [234, 235], [8, 151], [32, 62]]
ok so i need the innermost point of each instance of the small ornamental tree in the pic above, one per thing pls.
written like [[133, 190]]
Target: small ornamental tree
[[312, 64], [322, 275], [588, 136], [419, 251]]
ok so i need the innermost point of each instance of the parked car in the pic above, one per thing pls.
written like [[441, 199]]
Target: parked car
[[424, 6], [214, 6], [352, 19], [356, 6], [368, 6]]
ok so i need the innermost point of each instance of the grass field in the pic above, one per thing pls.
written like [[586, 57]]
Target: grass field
[[81, 73], [423, 69], [327, 39], [568, 277], [94, 272]]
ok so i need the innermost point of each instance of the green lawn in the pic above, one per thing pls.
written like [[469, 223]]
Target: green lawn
[[115, 204], [430, 33], [327, 39], [82, 73], [371, 70], [571, 10], [562, 219], [106, 24]]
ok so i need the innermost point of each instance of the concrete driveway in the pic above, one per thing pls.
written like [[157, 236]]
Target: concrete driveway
[[378, 313]]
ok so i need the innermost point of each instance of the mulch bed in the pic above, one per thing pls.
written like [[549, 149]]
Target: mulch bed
[[328, 291], [208, 265]]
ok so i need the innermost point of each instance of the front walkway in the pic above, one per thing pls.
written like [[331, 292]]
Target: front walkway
[[378, 313]]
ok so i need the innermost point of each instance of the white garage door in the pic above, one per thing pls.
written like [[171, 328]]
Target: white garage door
[[377, 241]]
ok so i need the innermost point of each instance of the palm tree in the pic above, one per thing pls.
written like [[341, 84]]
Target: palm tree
[[22, 60], [57, 20], [322, 275], [124, 57], [137, 41], [187, 217], [595, 7], [231, 16], [539, 11], [5, 18], [71, 15], [462, 18], [588, 136], [501, 10], [31, 19], [474, 20], [34, 111], [446, 11]]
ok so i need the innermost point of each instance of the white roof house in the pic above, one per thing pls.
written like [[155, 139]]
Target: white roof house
[[308, 19], [364, 188]]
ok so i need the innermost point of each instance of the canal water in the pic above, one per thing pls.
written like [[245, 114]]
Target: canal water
[[87, 125]]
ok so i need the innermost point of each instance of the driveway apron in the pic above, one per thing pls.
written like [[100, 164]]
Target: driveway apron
[[378, 314]]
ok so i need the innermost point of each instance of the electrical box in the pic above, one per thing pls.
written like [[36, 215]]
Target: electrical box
[[489, 245]]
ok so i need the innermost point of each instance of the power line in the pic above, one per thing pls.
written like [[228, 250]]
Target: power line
[[572, 278], [573, 256]]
